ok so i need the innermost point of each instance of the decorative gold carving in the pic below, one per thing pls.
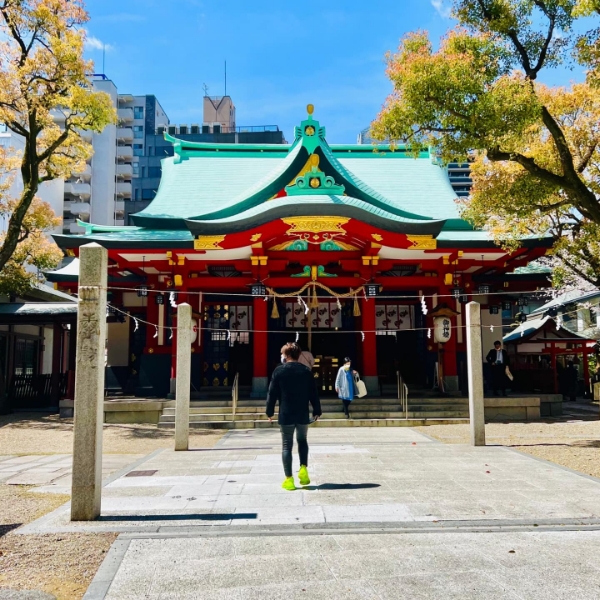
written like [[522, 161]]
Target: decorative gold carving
[[315, 224], [310, 109], [377, 237], [208, 242], [255, 237], [259, 260], [422, 242]]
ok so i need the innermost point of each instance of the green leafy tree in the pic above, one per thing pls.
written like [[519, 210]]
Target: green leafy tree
[[34, 252], [534, 148], [47, 99]]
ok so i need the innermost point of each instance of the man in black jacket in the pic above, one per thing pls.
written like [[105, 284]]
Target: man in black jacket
[[498, 361], [293, 385]]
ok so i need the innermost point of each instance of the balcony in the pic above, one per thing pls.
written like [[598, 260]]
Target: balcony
[[80, 209], [125, 152], [124, 171], [119, 206], [85, 173], [124, 188], [125, 115], [83, 190], [125, 134]]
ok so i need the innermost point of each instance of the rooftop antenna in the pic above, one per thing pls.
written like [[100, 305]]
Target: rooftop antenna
[[103, 59], [226, 78], [205, 88]]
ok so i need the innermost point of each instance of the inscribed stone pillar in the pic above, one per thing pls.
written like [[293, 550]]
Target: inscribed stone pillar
[[89, 384], [369, 347], [184, 372], [260, 339], [475, 374]]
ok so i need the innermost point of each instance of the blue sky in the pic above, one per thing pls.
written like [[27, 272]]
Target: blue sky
[[281, 55]]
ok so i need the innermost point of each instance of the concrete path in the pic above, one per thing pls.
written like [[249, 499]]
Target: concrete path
[[390, 514], [52, 473]]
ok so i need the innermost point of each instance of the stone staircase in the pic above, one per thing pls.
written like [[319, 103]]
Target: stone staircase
[[365, 412]]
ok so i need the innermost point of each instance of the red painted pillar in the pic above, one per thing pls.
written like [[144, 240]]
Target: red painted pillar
[[554, 368], [369, 346], [260, 324]]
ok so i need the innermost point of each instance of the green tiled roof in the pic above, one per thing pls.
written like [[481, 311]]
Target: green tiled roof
[[134, 237], [210, 182], [289, 206], [415, 185]]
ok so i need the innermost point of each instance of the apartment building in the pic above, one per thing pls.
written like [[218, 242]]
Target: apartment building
[[99, 192]]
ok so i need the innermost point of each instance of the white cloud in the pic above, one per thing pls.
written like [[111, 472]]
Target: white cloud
[[442, 8], [93, 43]]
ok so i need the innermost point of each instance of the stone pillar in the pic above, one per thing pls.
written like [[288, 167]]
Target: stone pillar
[[475, 374], [184, 373], [89, 384], [260, 340], [369, 347]]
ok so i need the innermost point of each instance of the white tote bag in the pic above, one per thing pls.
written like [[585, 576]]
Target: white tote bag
[[360, 386]]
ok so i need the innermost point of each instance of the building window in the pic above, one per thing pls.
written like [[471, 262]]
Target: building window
[[154, 171], [138, 150], [138, 112], [138, 131], [148, 195], [136, 168]]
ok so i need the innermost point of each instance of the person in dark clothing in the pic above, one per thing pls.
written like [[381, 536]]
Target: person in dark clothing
[[498, 361], [293, 386], [571, 381]]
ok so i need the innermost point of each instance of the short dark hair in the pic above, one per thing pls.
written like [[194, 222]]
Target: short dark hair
[[347, 359], [292, 350], [497, 343]]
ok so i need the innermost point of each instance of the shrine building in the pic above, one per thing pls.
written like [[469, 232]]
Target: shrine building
[[333, 245]]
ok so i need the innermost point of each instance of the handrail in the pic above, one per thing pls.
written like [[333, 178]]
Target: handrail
[[402, 394], [235, 395]]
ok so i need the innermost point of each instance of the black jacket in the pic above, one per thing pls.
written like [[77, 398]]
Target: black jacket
[[293, 385], [492, 354]]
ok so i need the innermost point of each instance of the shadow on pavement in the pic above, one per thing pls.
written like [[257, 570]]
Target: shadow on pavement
[[342, 486], [179, 517]]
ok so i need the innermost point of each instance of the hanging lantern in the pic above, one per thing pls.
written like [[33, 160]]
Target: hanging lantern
[[523, 301], [372, 290], [194, 330], [494, 310], [142, 291], [258, 289], [484, 289], [507, 305], [456, 292], [442, 329], [159, 299]]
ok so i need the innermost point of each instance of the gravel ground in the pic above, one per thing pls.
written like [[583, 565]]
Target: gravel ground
[[32, 433], [62, 565], [574, 444]]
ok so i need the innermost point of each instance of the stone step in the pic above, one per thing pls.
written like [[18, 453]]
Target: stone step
[[260, 424], [208, 418]]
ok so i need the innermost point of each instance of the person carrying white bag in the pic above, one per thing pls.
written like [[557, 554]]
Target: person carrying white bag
[[348, 385]]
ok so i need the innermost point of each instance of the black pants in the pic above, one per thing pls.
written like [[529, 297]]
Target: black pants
[[499, 378], [287, 439], [347, 406]]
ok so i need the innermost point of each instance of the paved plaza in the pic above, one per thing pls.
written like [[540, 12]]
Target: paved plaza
[[390, 513]]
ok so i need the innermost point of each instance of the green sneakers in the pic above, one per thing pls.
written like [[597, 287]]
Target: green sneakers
[[303, 475], [289, 484]]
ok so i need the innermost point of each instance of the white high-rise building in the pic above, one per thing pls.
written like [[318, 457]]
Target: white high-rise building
[[98, 192]]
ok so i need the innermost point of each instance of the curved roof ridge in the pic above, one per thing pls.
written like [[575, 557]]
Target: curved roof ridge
[[357, 187], [264, 189], [330, 205]]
